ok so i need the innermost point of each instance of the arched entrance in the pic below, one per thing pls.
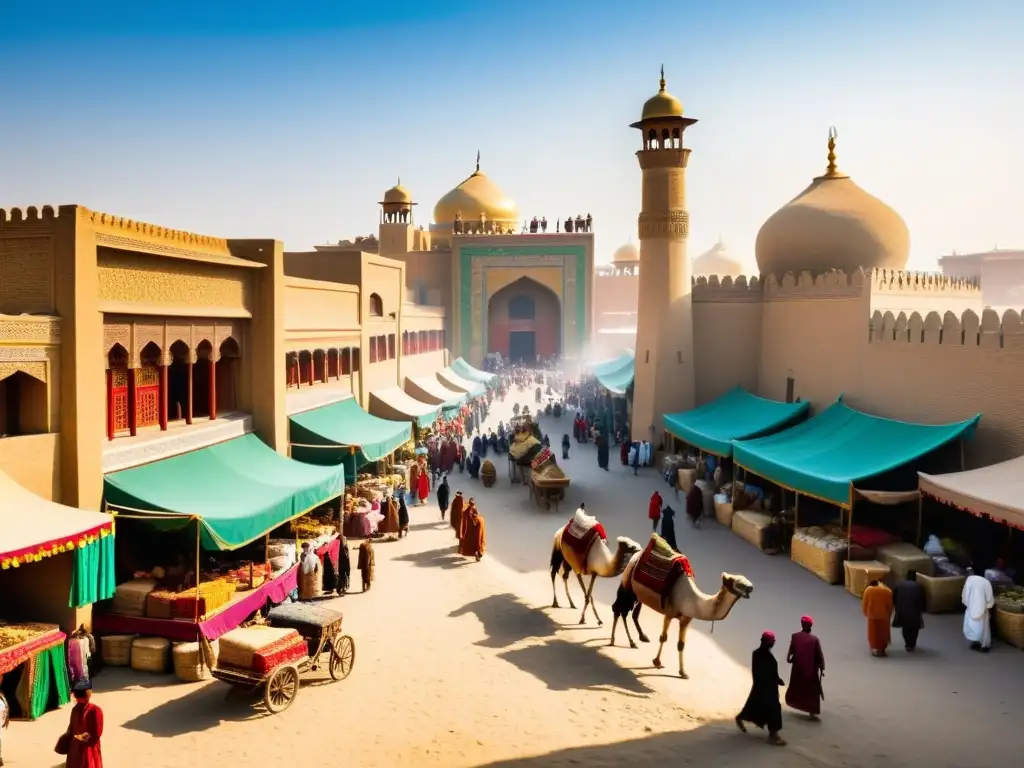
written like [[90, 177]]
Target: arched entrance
[[524, 320]]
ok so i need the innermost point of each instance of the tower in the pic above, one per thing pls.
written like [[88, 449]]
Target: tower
[[664, 378], [396, 224]]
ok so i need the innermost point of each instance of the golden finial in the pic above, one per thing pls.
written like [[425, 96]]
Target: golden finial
[[478, 161], [662, 81], [832, 170]]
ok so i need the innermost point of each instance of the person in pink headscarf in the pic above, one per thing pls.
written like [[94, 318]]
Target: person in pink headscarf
[[763, 707], [804, 691]]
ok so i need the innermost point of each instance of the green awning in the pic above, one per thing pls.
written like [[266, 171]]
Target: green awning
[[467, 371], [240, 490], [452, 380], [618, 380], [736, 415], [430, 390], [345, 425], [612, 365], [824, 455]]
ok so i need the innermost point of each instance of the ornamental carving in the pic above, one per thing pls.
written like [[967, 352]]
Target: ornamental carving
[[664, 225], [23, 354], [29, 332], [137, 280], [26, 275], [35, 370]]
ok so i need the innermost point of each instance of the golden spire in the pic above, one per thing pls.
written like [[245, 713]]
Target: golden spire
[[832, 171], [662, 81], [478, 161], [399, 182]]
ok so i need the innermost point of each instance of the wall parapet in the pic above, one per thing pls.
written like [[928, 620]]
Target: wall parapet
[[726, 289], [966, 330], [906, 281], [14, 216], [833, 284]]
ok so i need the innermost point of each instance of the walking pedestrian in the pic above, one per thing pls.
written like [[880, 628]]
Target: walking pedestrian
[[763, 707], [804, 692], [81, 741], [654, 510], [877, 608], [565, 446], [443, 494], [978, 600], [909, 604], [668, 527]]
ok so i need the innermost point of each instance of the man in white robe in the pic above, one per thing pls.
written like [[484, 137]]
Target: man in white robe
[[310, 585], [978, 599]]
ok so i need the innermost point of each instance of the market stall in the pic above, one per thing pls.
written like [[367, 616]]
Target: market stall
[[832, 456], [222, 499], [394, 404], [453, 381], [343, 433], [617, 380], [33, 668], [430, 390], [468, 372]]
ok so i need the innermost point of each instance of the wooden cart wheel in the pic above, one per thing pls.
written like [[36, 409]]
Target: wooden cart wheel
[[343, 657], [281, 689]]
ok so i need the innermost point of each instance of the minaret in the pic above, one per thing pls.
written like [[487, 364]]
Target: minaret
[[395, 231], [664, 381]]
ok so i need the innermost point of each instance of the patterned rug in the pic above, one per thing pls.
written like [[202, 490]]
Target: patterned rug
[[578, 537], [661, 566]]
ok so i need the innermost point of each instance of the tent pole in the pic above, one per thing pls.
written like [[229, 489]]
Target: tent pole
[[796, 511], [920, 513], [963, 464], [849, 524], [198, 537]]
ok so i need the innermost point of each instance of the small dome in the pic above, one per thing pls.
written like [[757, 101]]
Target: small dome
[[398, 195], [476, 196], [662, 104], [833, 224], [717, 261], [626, 254]]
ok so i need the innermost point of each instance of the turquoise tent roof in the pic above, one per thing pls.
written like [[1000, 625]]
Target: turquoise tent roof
[[618, 380], [345, 424], [467, 371], [239, 490], [824, 455], [736, 415], [609, 366]]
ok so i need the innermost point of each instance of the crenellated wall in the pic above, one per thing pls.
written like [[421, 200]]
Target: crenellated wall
[[903, 291]]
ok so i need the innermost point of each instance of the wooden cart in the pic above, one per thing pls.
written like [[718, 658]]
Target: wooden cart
[[321, 628], [545, 491]]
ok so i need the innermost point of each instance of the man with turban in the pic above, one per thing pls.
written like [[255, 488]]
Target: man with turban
[[473, 542], [805, 654], [763, 708]]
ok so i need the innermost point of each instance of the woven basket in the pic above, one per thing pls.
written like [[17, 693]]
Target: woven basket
[[723, 513], [857, 574], [1010, 627], [904, 557], [130, 597], [188, 664], [159, 604], [750, 526], [685, 479], [827, 566], [942, 593], [116, 650], [149, 654]]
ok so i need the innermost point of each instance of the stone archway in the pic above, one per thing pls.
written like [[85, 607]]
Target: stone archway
[[524, 319]]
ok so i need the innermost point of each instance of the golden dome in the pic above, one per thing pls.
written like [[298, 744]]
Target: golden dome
[[626, 254], [833, 224], [662, 104], [397, 195], [717, 261], [475, 197]]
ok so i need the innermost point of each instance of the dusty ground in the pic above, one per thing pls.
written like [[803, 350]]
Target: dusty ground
[[461, 664]]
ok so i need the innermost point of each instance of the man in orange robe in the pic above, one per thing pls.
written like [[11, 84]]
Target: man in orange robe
[[455, 513], [877, 607], [473, 542]]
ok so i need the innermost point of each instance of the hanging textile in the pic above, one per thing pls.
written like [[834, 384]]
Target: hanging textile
[[92, 576], [44, 680]]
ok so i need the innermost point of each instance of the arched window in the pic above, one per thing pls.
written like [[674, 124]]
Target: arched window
[[376, 305], [522, 308]]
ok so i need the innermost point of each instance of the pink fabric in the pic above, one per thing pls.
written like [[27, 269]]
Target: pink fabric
[[275, 590]]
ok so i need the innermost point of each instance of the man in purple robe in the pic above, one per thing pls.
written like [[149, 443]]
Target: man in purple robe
[[804, 692]]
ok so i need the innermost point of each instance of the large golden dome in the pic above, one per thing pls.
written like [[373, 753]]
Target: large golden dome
[[475, 197], [833, 224], [717, 261], [398, 195], [662, 104]]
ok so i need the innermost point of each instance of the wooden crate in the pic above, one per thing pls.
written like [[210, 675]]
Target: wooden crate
[[902, 557], [827, 566], [685, 479], [942, 593], [857, 574], [750, 526], [724, 513]]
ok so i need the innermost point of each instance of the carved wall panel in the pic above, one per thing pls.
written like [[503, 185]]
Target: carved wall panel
[[663, 224], [147, 396], [31, 332], [137, 280], [36, 370], [23, 354], [119, 397], [26, 275], [133, 334]]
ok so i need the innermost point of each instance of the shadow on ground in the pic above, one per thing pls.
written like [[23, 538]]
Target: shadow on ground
[[715, 744], [507, 620], [565, 666], [203, 709], [445, 558]]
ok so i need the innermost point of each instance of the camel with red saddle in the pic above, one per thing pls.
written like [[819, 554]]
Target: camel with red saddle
[[661, 578], [581, 547]]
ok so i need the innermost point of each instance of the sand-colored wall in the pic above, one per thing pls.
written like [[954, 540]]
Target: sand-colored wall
[[33, 461], [727, 335], [40, 591]]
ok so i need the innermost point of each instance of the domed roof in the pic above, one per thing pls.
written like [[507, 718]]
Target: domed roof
[[662, 104], [833, 224], [397, 195], [626, 254], [717, 261], [476, 196]]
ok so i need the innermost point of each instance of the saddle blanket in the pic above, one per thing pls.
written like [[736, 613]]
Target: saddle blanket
[[578, 537], [660, 566]]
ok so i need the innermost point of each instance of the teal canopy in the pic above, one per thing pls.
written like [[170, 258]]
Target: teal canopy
[[453, 380], [824, 455], [239, 490], [618, 380], [467, 371], [610, 366], [736, 415], [346, 425]]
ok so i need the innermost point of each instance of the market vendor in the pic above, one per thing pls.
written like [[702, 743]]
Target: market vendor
[[309, 573]]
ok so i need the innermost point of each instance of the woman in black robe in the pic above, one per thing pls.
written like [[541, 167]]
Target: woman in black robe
[[668, 527], [345, 565], [763, 707], [474, 466], [602, 451], [403, 514], [444, 493]]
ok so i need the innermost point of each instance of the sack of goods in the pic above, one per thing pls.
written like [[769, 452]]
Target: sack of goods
[[130, 597], [260, 649]]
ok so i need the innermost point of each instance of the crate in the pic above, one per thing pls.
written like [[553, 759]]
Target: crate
[[942, 594], [826, 565], [857, 574], [150, 654], [116, 650]]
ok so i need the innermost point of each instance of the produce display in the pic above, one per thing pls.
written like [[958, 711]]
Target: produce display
[[16, 634], [830, 538], [260, 649], [1010, 599]]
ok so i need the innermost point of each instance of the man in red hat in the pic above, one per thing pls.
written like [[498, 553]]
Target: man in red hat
[[804, 692]]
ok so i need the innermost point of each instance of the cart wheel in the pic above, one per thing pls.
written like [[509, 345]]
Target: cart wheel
[[281, 689], [343, 657]]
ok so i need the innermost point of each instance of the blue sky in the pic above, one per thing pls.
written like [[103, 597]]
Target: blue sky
[[289, 120]]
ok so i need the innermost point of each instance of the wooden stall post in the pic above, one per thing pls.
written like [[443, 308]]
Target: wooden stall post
[[198, 539], [796, 511], [849, 524], [920, 513]]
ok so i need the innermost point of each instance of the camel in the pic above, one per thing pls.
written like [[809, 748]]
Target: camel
[[685, 603], [601, 561]]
